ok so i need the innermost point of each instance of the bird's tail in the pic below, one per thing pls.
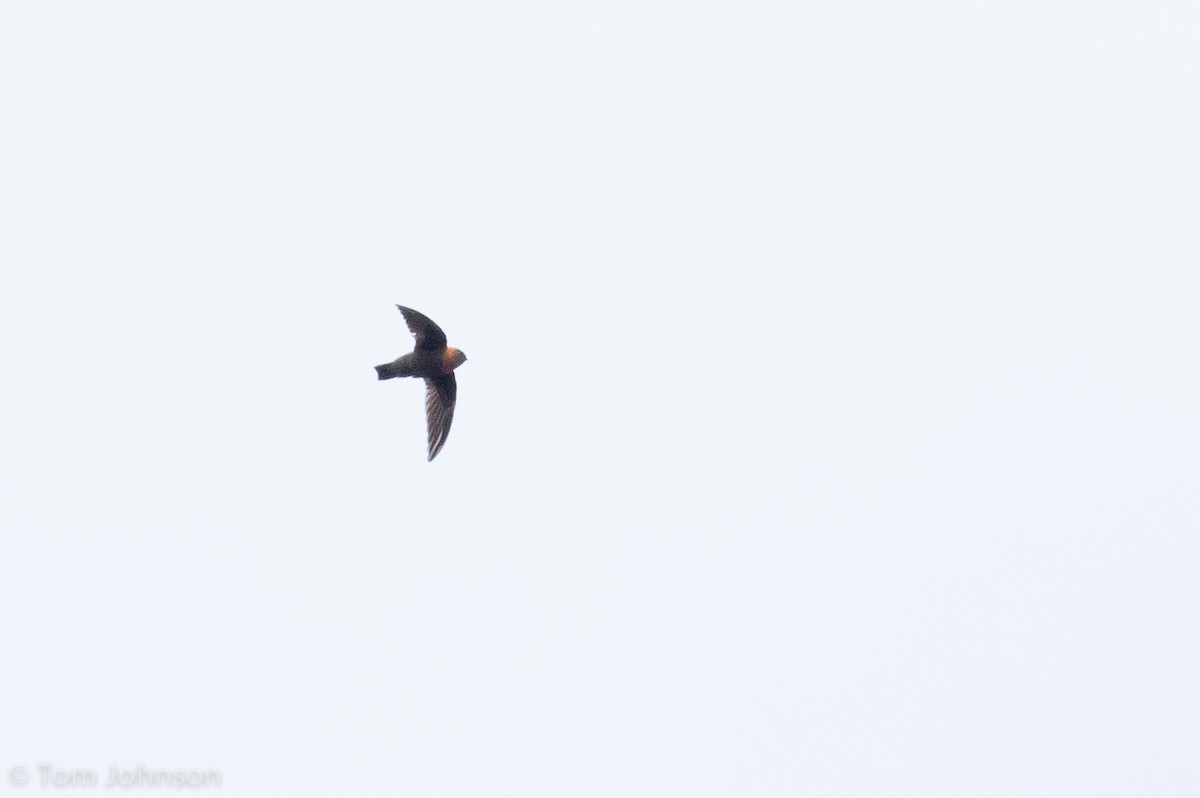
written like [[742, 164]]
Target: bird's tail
[[388, 370]]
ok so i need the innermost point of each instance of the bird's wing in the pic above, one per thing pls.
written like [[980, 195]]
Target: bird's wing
[[429, 335], [440, 394]]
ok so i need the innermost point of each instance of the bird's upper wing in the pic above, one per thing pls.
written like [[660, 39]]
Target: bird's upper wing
[[440, 394], [429, 335]]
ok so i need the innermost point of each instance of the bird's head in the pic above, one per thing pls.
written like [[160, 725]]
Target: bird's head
[[453, 358]]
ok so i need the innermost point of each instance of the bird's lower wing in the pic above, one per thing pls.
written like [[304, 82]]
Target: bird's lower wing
[[440, 395]]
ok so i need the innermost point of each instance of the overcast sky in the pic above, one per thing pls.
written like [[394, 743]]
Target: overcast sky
[[829, 426]]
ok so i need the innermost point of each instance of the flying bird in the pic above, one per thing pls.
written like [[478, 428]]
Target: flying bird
[[434, 362]]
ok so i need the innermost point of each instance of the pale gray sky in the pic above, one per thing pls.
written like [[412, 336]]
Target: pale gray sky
[[829, 428]]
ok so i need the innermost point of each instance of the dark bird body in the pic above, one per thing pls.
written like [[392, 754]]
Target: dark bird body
[[435, 362]]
